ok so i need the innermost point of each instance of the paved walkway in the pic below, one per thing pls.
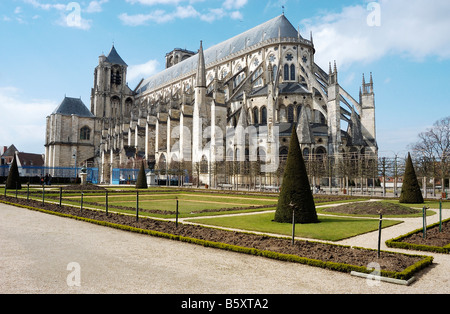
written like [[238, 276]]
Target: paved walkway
[[36, 250]]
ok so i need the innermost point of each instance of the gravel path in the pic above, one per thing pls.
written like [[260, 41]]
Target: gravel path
[[37, 248]]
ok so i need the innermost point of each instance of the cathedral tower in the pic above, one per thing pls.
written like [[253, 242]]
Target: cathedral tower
[[111, 96], [111, 103], [368, 112], [334, 112]]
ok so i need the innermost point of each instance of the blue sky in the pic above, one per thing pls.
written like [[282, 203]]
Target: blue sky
[[49, 49]]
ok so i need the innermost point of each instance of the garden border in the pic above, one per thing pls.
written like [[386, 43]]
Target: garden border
[[397, 242], [406, 274]]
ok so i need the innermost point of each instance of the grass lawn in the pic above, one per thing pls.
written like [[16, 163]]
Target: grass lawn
[[390, 209], [329, 228], [188, 202], [432, 204]]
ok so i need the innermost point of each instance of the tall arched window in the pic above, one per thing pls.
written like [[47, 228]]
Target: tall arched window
[[290, 114], [320, 153], [286, 72], [263, 115], [306, 153], [116, 78], [292, 72], [255, 115], [85, 133]]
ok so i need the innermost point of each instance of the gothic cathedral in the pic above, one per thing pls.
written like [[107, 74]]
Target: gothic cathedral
[[236, 101]]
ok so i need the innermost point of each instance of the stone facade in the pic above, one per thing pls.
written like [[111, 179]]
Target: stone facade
[[72, 137], [236, 101]]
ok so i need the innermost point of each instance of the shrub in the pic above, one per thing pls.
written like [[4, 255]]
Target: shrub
[[295, 189], [13, 180], [141, 182], [411, 193]]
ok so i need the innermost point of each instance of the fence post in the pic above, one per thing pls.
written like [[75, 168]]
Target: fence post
[[379, 234], [137, 206], [293, 226], [106, 203], [440, 215], [60, 196], [28, 191], [176, 221], [424, 212], [43, 194], [82, 196], [292, 205]]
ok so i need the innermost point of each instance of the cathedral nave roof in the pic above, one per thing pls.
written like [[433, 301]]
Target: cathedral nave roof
[[272, 29], [73, 106]]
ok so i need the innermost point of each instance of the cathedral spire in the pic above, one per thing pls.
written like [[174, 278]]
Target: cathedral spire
[[114, 58], [201, 69]]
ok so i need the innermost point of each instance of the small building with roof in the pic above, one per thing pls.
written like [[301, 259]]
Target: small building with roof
[[71, 135]]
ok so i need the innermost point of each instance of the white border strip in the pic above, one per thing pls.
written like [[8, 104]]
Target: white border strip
[[386, 279]]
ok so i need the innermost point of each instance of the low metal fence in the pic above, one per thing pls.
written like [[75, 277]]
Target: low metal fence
[[38, 173]]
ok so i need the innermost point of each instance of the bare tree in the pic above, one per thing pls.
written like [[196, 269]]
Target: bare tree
[[434, 144]]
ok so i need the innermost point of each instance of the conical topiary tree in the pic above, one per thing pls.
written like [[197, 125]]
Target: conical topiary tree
[[295, 189], [411, 193], [13, 180], [141, 182]]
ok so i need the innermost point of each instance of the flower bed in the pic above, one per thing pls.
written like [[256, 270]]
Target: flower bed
[[329, 256]]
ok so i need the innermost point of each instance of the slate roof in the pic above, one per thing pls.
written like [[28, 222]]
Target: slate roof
[[293, 88], [73, 106], [285, 89], [277, 27], [10, 152], [27, 159], [114, 57]]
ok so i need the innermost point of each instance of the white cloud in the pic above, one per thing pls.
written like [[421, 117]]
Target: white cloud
[[185, 12], [414, 29], [81, 23], [234, 4], [159, 16], [155, 2], [236, 15], [46, 6], [213, 15], [70, 14], [96, 6], [140, 71], [229, 8], [26, 130]]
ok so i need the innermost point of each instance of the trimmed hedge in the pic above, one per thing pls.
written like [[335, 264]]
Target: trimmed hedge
[[295, 190], [398, 242], [341, 267], [141, 182], [411, 192]]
